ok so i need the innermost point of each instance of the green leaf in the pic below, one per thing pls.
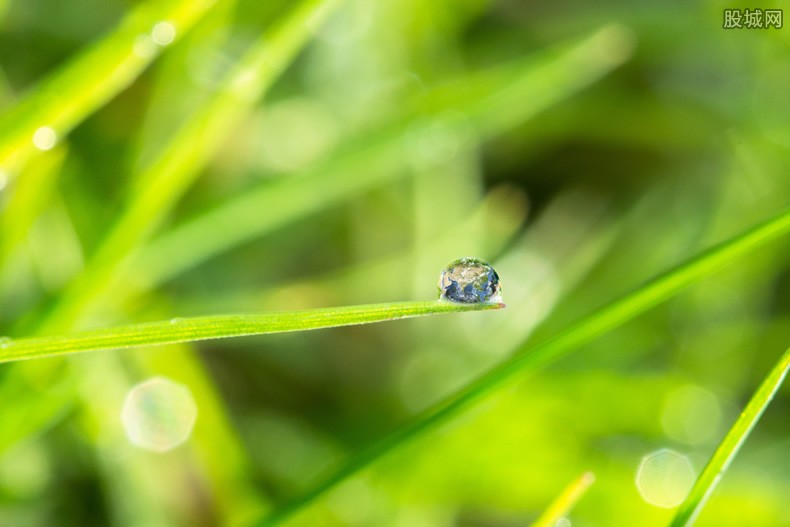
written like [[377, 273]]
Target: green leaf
[[221, 326], [532, 358], [730, 445]]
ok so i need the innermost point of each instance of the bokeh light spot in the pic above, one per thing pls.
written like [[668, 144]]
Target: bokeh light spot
[[45, 138], [158, 414], [691, 414], [664, 478], [163, 33]]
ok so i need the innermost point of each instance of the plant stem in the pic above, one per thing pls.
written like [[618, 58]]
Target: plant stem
[[222, 326]]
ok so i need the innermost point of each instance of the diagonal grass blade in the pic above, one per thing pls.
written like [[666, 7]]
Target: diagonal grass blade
[[63, 100], [730, 445]]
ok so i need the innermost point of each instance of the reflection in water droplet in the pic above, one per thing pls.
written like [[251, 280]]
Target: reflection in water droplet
[[163, 33], [5, 342], [45, 138], [469, 281], [664, 478], [158, 414], [563, 522]]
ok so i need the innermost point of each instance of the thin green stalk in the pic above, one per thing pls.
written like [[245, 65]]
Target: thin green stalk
[[563, 503], [222, 326], [534, 357], [31, 193], [87, 82], [171, 174], [730, 445]]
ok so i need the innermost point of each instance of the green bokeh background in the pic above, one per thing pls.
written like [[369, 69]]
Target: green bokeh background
[[405, 135]]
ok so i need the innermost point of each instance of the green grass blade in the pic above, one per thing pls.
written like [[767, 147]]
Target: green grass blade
[[30, 196], [730, 445], [488, 102], [560, 507], [94, 77], [533, 357], [221, 326], [181, 161]]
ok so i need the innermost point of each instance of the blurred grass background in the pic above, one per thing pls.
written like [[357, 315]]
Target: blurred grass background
[[268, 160]]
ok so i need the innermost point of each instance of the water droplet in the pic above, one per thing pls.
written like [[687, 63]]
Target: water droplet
[[5, 342], [176, 320], [469, 281], [44, 138], [664, 478], [163, 33], [158, 414]]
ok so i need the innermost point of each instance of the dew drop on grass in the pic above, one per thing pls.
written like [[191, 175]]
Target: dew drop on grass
[[176, 320], [469, 281], [5, 342]]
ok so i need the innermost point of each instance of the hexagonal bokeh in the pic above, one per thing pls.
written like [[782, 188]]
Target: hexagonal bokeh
[[664, 478], [158, 414]]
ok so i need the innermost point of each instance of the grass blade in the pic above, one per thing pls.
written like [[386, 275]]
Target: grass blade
[[730, 445], [90, 80], [221, 326], [29, 198], [180, 163], [488, 102], [161, 184], [563, 503], [533, 357]]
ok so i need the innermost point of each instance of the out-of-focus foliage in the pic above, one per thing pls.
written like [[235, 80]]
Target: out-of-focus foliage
[[270, 159]]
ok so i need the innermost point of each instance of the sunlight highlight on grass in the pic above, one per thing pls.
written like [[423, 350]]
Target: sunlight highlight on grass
[[731, 444], [562, 505], [222, 326]]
